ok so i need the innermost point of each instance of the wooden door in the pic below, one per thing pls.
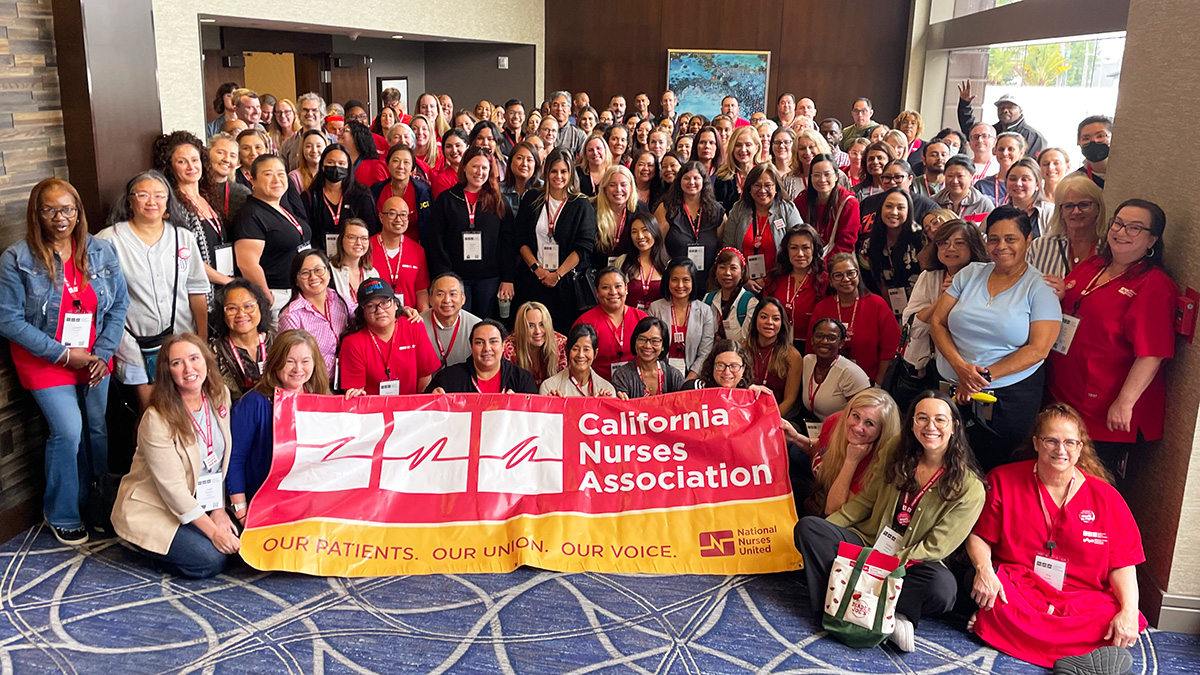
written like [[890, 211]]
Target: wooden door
[[349, 79]]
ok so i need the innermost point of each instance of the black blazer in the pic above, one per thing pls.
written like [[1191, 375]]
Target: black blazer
[[458, 379], [726, 191], [444, 248], [574, 232], [358, 205]]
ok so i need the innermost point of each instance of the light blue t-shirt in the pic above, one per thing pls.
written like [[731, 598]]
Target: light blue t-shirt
[[985, 334]]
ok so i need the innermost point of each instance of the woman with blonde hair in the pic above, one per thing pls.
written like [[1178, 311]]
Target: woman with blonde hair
[[593, 162], [533, 344], [851, 447], [283, 124], [810, 145], [615, 204], [1076, 228], [912, 126], [426, 146], [741, 154], [431, 109]]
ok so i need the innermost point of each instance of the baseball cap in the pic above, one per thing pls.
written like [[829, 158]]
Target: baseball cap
[[374, 288], [1007, 99]]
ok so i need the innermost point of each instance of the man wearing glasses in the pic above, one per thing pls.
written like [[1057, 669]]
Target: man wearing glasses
[[861, 113], [1094, 135], [399, 260]]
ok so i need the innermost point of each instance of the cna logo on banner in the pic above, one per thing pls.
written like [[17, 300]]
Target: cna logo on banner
[[426, 452], [521, 453], [716, 544]]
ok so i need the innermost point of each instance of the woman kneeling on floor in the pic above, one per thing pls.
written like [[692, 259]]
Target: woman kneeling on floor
[[1054, 554], [171, 504], [919, 508]]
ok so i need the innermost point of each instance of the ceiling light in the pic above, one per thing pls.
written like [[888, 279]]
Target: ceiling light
[[397, 37], [208, 20]]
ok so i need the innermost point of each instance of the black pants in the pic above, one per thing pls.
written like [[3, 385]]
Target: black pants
[[1117, 458], [929, 588], [995, 441]]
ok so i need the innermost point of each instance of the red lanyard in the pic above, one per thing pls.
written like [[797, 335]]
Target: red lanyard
[[617, 331], [393, 274], [387, 360], [687, 316], [762, 365], [1051, 526], [814, 386], [791, 295], [910, 501], [853, 315], [206, 212], [741, 180], [662, 380], [445, 353], [470, 210], [928, 188], [758, 223], [336, 214], [292, 219], [983, 172], [591, 385], [645, 277], [1088, 168], [694, 223], [226, 198], [207, 439], [262, 356], [552, 219], [73, 288], [1092, 287]]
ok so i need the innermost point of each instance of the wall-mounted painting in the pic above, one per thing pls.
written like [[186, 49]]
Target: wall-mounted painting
[[700, 78]]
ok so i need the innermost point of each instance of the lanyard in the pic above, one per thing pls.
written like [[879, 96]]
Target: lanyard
[[206, 212], [645, 277], [207, 439], [292, 219], [928, 188], [226, 198], [661, 378], [552, 219], [475, 382], [694, 223], [445, 353], [393, 274], [336, 214], [617, 331], [757, 223], [983, 172], [471, 209], [814, 386], [687, 316], [741, 180], [387, 360], [620, 225], [853, 315], [262, 356], [1051, 525], [910, 501], [794, 292], [73, 288], [591, 385], [1092, 287]]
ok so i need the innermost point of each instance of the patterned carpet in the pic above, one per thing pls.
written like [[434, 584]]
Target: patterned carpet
[[103, 610]]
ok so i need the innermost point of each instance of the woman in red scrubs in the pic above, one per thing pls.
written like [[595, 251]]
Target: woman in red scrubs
[[380, 355], [613, 320], [872, 334], [1124, 304], [798, 279], [1054, 554]]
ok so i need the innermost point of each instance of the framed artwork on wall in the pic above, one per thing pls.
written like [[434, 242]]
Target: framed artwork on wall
[[700, 78], [393, 82]]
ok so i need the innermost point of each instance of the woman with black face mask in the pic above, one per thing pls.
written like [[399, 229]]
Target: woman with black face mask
[[335, 197]]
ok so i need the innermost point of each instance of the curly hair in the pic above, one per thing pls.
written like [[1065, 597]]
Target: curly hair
[[722, 347], [161, 161]]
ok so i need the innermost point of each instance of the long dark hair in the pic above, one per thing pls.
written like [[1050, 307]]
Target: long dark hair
[[688, 266], [717, 158], [165, 397], [161, 161], [959, 462], [783, 342], [908, 238], [489, 192], [672, 202], [822, 221], [747, 198], [658, 251], [350, 185], [1158, 223], [510, 179], [364, 142]]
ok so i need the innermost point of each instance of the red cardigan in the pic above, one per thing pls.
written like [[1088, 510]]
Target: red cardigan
[[845, 238], [873, 333]]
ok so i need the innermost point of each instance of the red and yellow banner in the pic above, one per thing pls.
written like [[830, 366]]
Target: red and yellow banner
[[688, 483]]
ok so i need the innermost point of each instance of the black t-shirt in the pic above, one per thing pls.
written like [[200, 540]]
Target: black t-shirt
[[681, 235], [281, 240]]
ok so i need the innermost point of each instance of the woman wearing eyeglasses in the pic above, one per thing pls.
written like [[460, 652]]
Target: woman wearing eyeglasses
[[381, 355], [314, 307], [872, 334], [1075, 231], [1118, 313], [242, 334], [649, 374], [1054, 555]]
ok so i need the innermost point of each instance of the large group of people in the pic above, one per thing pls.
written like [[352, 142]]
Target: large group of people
[[912, 305]]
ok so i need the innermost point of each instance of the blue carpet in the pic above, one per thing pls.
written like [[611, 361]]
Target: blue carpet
[[101, 609]]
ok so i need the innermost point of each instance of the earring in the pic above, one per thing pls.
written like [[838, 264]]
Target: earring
[[1149, 253]]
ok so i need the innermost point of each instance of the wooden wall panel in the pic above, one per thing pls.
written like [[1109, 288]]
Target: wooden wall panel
[[829, 51], [216, 74]]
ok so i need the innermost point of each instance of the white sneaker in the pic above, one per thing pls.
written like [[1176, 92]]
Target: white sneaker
[[902, 637]]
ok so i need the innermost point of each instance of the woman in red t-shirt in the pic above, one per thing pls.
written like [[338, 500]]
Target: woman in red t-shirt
[[872, 334], [380, 355], [798, 279], [62, 308], [830, 208], [1054, 553], [614, 322], [1125, 307]]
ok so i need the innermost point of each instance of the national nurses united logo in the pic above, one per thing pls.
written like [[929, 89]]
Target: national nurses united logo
[[717, 544], [425, 452], [521, 453]]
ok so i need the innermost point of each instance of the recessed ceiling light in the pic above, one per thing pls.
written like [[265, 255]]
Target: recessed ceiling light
[[397, 37], [208, 20]]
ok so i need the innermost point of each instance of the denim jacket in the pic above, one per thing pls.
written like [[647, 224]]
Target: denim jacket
[[30, 299]]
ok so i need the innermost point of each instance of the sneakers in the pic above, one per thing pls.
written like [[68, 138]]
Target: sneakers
[[902, 636], [76, 536], [1103, 661]]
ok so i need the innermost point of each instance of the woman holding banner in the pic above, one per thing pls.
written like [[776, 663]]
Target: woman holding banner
[[294, 364], [578, 379], [919, 507], [534, 345], [171, 504], [648, 374], [381, 355]]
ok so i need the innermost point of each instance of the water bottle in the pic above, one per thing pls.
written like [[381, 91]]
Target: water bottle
[[505, 308]]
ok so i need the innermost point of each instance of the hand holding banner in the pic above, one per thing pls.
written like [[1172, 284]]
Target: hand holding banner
[[692, 483]]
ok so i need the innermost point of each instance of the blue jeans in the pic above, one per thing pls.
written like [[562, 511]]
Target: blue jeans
[[481, 297], [67, 472], [191, 555]]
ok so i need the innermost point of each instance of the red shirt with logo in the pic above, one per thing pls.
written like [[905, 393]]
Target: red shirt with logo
[[366, 360], [407, 271]]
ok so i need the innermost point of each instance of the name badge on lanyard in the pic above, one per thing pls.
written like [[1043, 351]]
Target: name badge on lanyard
[[548, 256], [814, 432], [210, 491], [757, 265], [303, 247], [1066, 334], [331, 245], [696, 255], [472, 245], [77, 330], [898, 298], [888, 541], [1052, 571], [389, 388], [224, 260]]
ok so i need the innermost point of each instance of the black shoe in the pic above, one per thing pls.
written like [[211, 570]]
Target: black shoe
[[1103, 661], [76, 536]]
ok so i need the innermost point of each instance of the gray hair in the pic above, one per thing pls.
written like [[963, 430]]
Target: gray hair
[[310, 96], [122, 211], [217, 137], [556, 94]]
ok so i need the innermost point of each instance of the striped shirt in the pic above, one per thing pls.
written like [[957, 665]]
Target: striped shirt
[[301, 314]]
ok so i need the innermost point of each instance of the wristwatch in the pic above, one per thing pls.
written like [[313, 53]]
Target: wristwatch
[[238, 508], [534, 267]]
